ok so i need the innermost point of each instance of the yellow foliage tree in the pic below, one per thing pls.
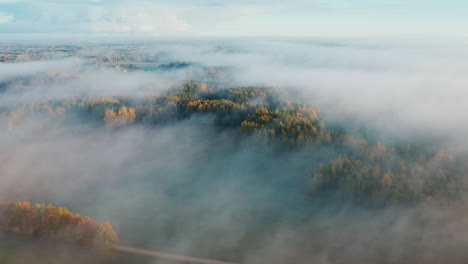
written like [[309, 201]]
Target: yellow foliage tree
[[110, 117], [124, 115], [105, 236]]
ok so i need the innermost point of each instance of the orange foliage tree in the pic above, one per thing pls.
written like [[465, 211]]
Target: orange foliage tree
[[58, 223]]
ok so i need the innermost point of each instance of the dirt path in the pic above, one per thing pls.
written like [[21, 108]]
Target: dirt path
[[151, 253]]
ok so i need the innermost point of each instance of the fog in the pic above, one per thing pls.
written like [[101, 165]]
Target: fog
[[189, 188], [398, 87]]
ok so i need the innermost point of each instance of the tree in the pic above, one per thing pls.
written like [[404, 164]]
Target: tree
[[105, 236], [124, 115], [56, 223], [387, 180], [110, 117]]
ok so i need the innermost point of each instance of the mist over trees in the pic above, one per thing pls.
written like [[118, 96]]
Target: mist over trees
[[56, 223], [368, 173], [242, 164]]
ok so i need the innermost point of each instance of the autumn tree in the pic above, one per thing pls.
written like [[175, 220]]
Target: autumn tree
[[105, 236], [110, 116], [56, 223], [124, 115]]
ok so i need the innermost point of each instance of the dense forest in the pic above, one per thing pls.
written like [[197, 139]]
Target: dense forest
[[365, 172], [56, 223]]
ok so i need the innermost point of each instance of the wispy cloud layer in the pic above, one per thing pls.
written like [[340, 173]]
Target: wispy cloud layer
[[239, 18], [6, 18]]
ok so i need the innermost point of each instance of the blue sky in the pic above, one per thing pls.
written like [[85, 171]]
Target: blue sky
[[236, 18]]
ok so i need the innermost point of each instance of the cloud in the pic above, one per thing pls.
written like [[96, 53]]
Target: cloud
[[134, 19], [399, 87], [75, 77], [218, 18], [193, 190], [6, 17]]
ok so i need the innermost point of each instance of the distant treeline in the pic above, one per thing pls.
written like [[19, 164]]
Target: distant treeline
[[57, 223], [364, 172]]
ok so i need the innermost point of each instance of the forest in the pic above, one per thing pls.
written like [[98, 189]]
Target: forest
[[366, 172], [56, 223]]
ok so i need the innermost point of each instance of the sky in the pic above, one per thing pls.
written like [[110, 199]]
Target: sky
[[231, 18]]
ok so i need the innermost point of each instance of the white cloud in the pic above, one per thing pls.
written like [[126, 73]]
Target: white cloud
[[6, 18], [149, 19]]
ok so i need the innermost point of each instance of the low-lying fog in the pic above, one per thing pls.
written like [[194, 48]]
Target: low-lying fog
[[188, 188]]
